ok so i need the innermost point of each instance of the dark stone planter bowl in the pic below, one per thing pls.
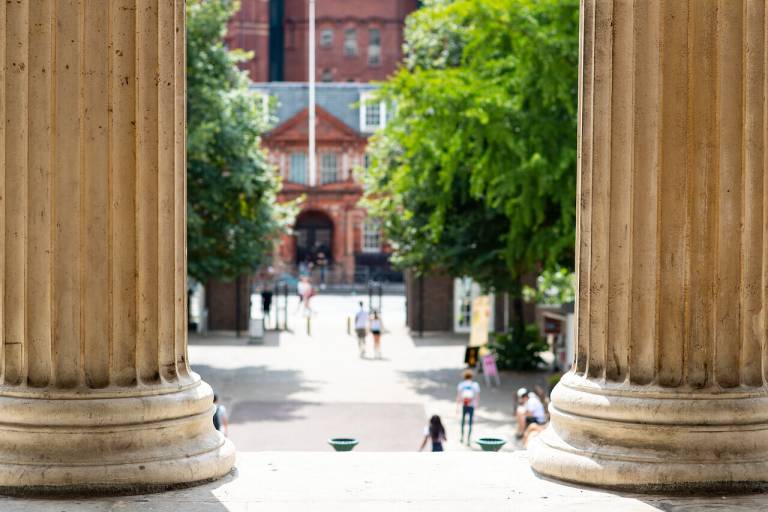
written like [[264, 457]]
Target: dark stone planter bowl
[[491, 444], [343, 444]]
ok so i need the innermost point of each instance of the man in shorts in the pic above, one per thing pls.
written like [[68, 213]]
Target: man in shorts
[[361, 328], [530, 411]]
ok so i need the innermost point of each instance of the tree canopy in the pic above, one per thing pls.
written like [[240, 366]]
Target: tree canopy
[[233, 215], [475, 174]]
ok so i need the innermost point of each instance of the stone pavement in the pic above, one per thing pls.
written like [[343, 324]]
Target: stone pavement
[[295, 391], [371, 482]]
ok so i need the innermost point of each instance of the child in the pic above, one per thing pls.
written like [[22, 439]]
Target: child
[[436, 433], [468, 395]]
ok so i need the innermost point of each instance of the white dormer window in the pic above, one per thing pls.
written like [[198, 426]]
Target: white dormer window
[[373, 114]]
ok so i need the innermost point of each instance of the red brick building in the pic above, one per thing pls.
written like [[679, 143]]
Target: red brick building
[[331, 222], [249, 29], [357, 40]]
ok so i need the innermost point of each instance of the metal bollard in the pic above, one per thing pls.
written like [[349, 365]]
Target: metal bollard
[[349, 326], [309, 326]]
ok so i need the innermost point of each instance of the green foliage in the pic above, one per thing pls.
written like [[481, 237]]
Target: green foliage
[[552, 287], [233, 216], [475, 174], [519, 349], [553, 379]]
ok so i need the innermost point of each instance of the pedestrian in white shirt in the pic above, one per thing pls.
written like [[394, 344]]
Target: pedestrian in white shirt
[[530, 411], [468, 396], [361, 328]]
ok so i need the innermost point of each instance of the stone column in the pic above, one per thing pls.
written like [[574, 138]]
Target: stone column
[[669, 384], [95, 385]]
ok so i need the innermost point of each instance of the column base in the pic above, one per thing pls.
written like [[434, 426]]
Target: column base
[[110, 441], [654, 439]]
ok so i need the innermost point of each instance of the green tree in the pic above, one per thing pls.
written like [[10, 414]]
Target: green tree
[[233, 215], [475, 172], [553, 286]]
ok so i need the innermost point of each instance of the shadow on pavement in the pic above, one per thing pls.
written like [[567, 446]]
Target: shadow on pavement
[[250, 410], [253, 383], [748, 502], [230, 339], [440, 384], [438, 339]]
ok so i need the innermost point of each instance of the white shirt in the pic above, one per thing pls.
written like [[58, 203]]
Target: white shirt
[[303, 288], [535, 407], [361, 319], [471, 389], [375, 324]]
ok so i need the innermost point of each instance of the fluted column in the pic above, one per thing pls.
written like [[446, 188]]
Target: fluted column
[[95, 385], [668, 388]]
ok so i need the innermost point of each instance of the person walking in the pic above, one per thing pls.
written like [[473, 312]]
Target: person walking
[[436, 433], [305, 291], [361, 328], [468, 396], [376, 328], [266, 304], [322, 262]]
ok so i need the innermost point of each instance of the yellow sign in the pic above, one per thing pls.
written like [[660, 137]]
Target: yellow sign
[[481, 317]]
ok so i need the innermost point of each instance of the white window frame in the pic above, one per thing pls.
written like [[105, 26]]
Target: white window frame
[[371, 231], [324, 171], [306, 167], [326, 37], [365, 104], [371, 53], [351, 51]]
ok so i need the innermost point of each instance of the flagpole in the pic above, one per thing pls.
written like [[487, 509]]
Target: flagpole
[[311, 74]]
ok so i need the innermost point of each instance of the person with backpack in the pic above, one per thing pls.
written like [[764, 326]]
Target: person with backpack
[[436, 433], [468, 396], [220, 418]]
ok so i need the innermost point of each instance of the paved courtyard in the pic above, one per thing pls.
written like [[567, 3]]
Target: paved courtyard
[[295, 391]]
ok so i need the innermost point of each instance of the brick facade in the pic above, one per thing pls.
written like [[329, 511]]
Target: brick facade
[[257, 20], [336, 201], [338, 16], [436, 309], [222, 301], [437, 292], [249, 30]]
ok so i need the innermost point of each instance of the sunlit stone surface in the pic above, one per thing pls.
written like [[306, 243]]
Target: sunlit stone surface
[[669, 387], [95, 386]]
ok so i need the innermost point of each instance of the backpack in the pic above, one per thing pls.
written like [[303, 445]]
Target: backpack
[[467, 394], [217, 419]]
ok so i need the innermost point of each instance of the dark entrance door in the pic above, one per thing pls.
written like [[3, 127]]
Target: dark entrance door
[[314, 235]]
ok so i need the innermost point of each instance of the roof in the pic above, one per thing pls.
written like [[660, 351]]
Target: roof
[[340, 99]]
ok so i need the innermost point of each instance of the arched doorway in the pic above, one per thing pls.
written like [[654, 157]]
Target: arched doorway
[[314, 235]]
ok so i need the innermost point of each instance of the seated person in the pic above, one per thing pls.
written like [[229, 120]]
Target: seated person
[[530, 411], [533, 430]]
